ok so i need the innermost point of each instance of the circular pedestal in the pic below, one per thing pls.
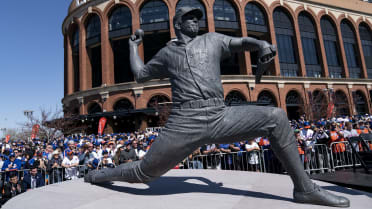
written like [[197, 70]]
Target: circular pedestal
[[186, 189]]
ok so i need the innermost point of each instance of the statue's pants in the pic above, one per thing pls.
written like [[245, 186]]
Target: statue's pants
[[189, 128]]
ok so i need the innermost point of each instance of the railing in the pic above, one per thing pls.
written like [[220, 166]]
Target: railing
[[242, 160], [342, 155], [317, 158]]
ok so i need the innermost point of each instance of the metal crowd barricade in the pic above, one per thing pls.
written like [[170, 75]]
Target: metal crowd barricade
[[341, 156], [242, 160], [317, 159]]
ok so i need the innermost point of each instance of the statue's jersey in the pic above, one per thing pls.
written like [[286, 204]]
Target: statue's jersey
[[193, 69]]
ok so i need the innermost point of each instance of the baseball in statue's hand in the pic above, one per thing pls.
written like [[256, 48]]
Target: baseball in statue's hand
[[136, 38]]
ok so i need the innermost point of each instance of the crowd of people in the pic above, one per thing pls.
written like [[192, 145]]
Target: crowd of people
[[30, 164]]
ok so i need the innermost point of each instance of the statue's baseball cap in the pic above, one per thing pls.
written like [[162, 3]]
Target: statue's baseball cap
[[187, 10]]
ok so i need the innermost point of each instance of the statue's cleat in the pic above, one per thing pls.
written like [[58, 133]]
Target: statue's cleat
[[97, 176], [320, 196], [266, 56]]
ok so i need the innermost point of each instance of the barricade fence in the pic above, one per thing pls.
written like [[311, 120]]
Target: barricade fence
[[317, 158]]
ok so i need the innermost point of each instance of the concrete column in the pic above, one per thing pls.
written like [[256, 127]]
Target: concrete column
[[342, 51], [106, 55], [323, 54], [69, 68], [172, 12], [363, 65], [273, 41], [85, 73], [246, 66], [210, 18], [300, 49]]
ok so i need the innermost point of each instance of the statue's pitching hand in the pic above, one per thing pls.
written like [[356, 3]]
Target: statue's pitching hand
[[136, 38], [266, 55]]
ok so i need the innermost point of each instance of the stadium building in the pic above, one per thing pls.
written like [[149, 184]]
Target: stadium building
[[324, 67]]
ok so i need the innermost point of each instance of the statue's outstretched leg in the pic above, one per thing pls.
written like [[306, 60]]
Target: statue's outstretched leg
[[240, 122], [180, 137]]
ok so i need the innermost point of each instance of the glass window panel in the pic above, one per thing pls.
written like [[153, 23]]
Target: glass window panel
[[286, 50], [154, 11], [93, 27], [120, 18], [223, 10], [254, 15], [75, 38]]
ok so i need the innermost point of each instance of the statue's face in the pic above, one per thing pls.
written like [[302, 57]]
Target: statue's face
[[190, 25]]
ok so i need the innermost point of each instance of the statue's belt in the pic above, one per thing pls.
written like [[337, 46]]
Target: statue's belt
[[199, 103]]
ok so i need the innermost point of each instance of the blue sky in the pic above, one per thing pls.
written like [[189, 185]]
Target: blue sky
[[31, 58]]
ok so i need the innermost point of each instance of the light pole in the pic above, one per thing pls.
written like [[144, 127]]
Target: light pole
[[28, 113], [3, 130]]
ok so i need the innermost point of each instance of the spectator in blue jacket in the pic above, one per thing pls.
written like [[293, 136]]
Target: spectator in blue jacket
[[12, 164]]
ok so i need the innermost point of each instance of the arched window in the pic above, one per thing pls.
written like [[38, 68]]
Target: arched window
[[224, 15], [75, 57], [93, 28], [158, 100], [319, 105], [310, 47], [366, 39], [329, 34], [195, 4], [351, 49], [284, 33], [93, 31], [154, 11], [254, 17], [120, 22], [120, 28], [360, 102], [341, 104], [75, 38], [123, 105], [235, 98], [256, 23], [94, 108], [294, 104], [226, 22], [266, 98], [154, 17]]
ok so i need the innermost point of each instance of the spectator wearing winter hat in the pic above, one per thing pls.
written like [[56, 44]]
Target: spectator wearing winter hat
[[54, 168], [70, 163]]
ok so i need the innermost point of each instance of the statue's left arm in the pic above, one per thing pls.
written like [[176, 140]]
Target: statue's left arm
[[266, 52]]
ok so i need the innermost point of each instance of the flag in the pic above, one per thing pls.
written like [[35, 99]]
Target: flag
[[35, 131], [7, 138], [101, 125]]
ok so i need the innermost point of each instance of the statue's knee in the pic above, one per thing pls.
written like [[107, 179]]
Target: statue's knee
[[280, 115]]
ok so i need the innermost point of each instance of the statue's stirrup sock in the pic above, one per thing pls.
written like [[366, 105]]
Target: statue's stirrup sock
[[320, 196]]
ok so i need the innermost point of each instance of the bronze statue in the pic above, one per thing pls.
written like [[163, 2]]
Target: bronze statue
[[199, 115]]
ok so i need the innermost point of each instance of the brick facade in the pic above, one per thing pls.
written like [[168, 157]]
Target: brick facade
[[356, 12]]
